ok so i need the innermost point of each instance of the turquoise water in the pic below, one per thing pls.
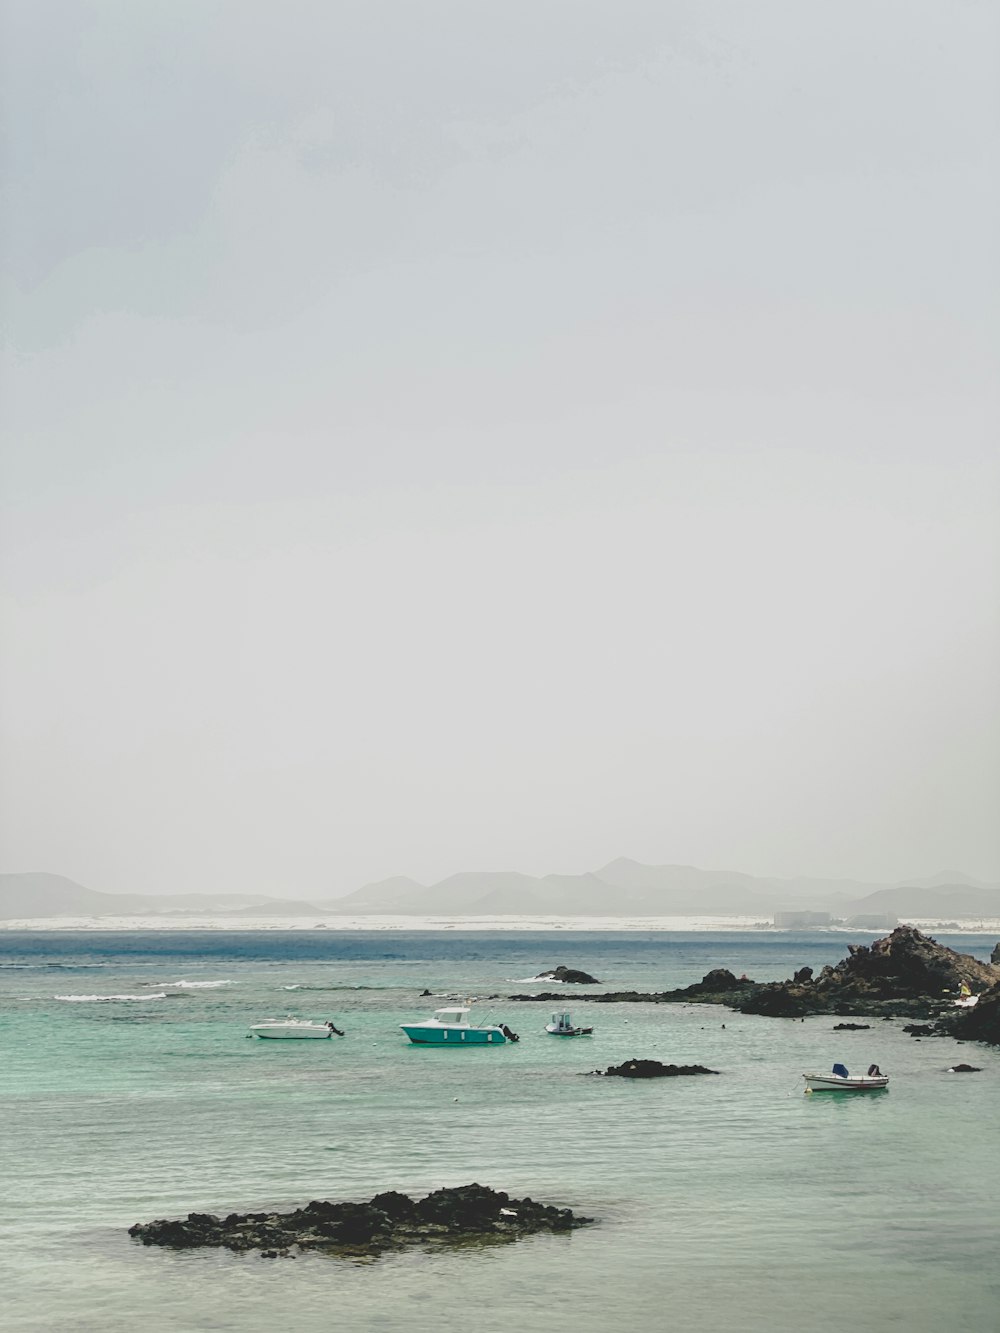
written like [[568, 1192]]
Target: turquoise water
[[729, 1200]]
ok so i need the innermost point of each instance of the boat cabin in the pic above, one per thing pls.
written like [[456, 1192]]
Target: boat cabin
[[562, 1021], [456, 1014]]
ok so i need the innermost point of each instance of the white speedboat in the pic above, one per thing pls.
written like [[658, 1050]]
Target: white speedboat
[[296, 1029], [451, 1027], [839, 1080], [562, 1025]]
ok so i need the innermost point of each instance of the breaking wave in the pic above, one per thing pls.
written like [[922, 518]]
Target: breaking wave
[[99, 999], [192, 985]]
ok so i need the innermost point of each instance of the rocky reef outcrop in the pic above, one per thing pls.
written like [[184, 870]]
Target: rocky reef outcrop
[[571, 975], [904, 975], [651, 1069], [388, 1221], [980, 1023]]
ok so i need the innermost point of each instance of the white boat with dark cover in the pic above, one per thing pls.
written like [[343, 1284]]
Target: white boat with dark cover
[[839, 1080], [295, 1029], [562, 1025]]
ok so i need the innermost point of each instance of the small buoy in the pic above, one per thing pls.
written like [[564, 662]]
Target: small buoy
[[454, 1099]]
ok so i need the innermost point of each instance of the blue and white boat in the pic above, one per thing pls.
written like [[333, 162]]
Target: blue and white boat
[[839, 1080], [451, 1027]]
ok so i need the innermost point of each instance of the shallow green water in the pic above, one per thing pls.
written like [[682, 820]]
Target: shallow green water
[[730, 1200]]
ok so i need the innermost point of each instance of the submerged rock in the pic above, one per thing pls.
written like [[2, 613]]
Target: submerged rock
[[388, 1221], [569, 974], [852, 1027], [965, 1069], [652, 1069]]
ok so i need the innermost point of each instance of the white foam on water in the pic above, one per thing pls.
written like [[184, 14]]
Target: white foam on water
[[192, 985], [103, 999]]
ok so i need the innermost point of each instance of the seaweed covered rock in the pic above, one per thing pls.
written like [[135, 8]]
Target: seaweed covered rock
[[651, 1069], [388, 1221]]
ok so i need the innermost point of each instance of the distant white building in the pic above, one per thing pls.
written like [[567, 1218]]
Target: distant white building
[[800, 920], [873, 921]]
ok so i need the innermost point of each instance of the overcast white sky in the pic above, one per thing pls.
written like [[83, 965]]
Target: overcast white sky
[[442, 435]]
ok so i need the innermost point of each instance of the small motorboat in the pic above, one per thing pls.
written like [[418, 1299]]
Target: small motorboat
[[562, 1025], [451, 1027], [839, 1080], [295, 1029]]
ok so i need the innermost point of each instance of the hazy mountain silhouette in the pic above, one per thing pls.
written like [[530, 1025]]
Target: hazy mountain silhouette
[[965, 899], [38, 894], [621, 888]]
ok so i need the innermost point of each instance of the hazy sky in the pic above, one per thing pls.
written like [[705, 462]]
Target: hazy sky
[[442, 435]]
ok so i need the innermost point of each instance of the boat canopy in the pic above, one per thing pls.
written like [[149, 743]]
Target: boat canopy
[[457, 1014], [841, 1070]]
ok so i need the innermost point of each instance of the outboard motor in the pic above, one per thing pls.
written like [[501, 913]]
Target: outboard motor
[[511, 1036], [874, 1071]]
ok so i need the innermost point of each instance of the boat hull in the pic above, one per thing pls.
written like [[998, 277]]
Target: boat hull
[[832, 1083], [459, 1035], [279, 1033], [569, 1032]]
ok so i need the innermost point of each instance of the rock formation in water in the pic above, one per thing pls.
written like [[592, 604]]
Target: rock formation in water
[[651, 1069], [569, 974], [388, 1221], [980, 1023], [904, 975]]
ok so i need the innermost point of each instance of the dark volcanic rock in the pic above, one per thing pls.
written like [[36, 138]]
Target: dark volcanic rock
[[995, 956], [569, 974], [980, 1023], [652, 1069], [965, 1069], [717, 987], [906, 973], [720, 981], [852, 1027], [390, 1220]]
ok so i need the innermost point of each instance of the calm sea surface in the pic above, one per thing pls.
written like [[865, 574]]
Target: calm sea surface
[[129, 1090]]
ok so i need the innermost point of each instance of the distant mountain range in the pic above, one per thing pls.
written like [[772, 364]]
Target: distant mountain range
[[621, 888]]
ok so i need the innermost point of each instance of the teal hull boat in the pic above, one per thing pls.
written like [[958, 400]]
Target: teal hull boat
[[451, 1027]]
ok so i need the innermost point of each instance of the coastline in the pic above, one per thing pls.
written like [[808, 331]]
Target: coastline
[[485, 924]]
